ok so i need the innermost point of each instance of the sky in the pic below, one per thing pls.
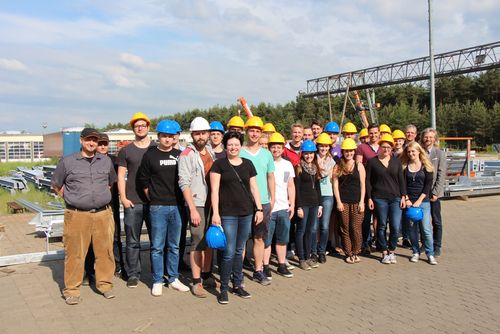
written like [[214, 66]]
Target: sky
[[68, 63]]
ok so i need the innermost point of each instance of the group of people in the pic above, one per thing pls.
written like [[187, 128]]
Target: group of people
[[323, 191]]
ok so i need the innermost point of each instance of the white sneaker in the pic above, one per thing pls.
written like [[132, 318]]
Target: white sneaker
[[432, 260], [393, 258], [157, 289], [177, 285], [288, 265], [386, 259], [415, 258]]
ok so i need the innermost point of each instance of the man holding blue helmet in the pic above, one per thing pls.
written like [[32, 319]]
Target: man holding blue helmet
[[158, 178]]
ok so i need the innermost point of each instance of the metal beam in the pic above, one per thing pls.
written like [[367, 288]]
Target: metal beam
[[473, 59]]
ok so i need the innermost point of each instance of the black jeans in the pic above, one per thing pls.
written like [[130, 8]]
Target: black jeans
[[437, 224], [133, 220]]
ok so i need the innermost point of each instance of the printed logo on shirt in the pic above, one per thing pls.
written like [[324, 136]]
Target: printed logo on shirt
[[168, 162]]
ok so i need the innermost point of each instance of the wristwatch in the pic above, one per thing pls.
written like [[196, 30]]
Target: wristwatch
[[259, 210]]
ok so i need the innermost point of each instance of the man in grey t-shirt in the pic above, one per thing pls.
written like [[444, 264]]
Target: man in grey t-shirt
[[135, 204]]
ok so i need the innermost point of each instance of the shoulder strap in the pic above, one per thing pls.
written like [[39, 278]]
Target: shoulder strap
[[243, 185]]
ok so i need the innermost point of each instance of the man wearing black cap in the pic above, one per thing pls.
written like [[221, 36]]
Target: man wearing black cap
[[84, 179], [89, 279]]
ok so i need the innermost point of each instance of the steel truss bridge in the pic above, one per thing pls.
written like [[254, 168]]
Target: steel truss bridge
[[473, 59]]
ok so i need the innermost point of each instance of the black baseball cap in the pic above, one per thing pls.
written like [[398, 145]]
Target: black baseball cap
[[103, 137], [89, 132]]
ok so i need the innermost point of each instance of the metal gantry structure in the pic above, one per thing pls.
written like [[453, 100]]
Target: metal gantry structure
[[473, 59]]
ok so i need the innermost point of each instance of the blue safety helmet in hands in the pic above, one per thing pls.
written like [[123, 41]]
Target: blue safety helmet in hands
[[167, 126], [414, 214], [216, 126], [331, 127], [308, 146], [215, 237]]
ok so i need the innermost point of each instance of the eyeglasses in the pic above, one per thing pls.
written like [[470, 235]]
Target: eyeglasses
[[386, 147], [140, 126]]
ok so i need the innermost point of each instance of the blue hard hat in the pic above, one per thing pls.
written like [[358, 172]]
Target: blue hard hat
[[178, 127], [167, 126], [414, 214], [331, 127], [215, 237], [308, 146], [216, 126]]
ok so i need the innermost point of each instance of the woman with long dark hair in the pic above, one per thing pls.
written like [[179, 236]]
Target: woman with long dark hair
[[307, 199]]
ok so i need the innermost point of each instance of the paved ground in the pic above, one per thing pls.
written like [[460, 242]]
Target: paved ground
[[460, 295]]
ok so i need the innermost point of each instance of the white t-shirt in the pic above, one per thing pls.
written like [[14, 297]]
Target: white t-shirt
[[283, 172]]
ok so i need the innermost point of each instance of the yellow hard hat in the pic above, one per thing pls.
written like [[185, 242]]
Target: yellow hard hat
[[254, 122], [276, 138], [324, 139], [349, 128], [268, 127], [386, 138], [363, 133], [384, 128], [398, 134], [236, 121], [137, 116], [348, 144]]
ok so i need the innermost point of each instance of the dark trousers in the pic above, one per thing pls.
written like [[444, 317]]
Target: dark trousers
[[437, 224], [133, 220]]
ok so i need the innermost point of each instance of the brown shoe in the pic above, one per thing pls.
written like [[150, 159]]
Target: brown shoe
[[73, 300], [199, 291], [109, 294]]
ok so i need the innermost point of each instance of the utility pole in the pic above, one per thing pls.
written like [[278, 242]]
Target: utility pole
[[431, 59]]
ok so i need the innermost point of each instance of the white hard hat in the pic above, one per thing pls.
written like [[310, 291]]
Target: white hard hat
[[199, 124]]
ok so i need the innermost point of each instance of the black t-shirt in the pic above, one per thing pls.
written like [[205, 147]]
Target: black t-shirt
[[130, 157], [307, 190], [233, 199], [159, 173]]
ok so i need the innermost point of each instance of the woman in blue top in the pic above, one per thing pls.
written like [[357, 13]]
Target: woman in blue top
[[418, 172]]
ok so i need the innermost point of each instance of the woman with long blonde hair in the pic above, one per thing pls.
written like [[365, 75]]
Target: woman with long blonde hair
[[418, 171]]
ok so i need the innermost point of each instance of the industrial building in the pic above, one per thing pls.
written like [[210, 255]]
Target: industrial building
[[18, 146]]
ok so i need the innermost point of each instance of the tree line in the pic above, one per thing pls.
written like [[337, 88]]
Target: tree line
[[466, 105]]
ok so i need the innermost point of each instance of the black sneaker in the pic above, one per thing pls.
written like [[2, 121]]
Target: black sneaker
[[283, 271], [240, 292], [132, 282], [248, 265], [267, 272], [406, 243], [258, 276], [322, 258], [223, 298]]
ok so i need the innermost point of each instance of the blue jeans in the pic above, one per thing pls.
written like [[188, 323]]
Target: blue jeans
[[324, 226], [388, 208], [166, 227], [303, 232], [279, 224], [237, 230], [424, 227], [133, 218], [366, 227]]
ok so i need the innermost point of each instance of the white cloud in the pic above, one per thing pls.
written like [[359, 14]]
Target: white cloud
[[12, 65]]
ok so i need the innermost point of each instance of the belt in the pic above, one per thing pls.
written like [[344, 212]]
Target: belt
[[70, 207]]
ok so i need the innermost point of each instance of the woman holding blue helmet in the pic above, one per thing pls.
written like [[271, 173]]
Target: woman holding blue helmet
[[418, 172], [234, 197], [308, 197]]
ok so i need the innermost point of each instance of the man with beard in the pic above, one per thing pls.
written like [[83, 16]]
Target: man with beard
[[194, 164], [135, 204]]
